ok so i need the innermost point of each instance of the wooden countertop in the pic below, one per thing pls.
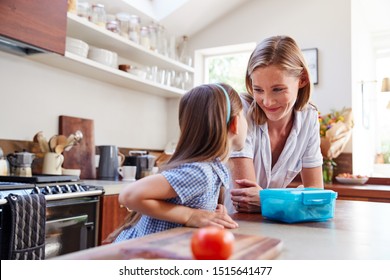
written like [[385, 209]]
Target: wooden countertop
[[366, 192], [359, 230]]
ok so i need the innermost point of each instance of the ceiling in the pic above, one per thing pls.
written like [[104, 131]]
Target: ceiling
[[187, 17]]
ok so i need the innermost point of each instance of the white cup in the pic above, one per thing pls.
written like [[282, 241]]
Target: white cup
[[127, 172], [52, 164]]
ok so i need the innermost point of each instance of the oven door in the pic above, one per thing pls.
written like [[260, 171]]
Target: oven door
[[66, 235]]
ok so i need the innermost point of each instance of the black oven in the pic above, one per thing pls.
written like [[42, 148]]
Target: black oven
[[72, 212]]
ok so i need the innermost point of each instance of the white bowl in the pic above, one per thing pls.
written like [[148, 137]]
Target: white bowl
[[73, 172], [352, 181], [103, 56], [77, 46]]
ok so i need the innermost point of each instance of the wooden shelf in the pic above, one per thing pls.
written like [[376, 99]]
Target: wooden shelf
[[95, 70]]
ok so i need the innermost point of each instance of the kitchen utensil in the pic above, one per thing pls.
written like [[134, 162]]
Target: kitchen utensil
[[82, 155], [41, 140], [53, 143], [108, 162]]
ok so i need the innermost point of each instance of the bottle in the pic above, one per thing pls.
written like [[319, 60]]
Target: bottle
[[184, 53]]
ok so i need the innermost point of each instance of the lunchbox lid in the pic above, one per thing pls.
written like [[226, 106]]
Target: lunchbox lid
[[308, 196]]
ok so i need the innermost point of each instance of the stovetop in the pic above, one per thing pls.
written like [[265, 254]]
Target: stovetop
[[53, 187], [39, 178]]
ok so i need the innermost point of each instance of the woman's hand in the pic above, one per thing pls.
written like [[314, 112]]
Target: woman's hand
[[246, 198], [219, 218]]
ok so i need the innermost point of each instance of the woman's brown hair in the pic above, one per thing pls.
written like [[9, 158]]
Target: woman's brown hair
[[281, 51]]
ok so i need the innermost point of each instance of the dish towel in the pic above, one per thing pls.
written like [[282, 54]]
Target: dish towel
[[28, 220]]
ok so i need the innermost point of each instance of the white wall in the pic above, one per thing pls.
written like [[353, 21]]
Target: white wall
[[33, 95], [325, 25]]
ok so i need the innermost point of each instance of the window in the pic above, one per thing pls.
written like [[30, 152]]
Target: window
[[223, 64]]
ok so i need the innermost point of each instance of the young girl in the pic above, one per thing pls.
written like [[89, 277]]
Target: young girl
[[186, 192]]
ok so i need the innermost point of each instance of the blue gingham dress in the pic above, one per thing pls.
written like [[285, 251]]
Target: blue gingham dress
[[197, 186]]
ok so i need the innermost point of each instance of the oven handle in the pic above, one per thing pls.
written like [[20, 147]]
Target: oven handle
[[51, 197]]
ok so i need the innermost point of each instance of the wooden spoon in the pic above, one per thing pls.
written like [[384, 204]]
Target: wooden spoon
[[62, 140], [53, 143], [59, 149]]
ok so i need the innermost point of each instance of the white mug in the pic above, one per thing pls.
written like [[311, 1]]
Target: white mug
[[127, 172], [52, 164]]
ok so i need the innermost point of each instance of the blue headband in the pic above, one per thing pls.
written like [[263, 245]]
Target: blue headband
[[227, 102]]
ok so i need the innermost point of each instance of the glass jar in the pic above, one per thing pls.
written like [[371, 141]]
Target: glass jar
[[153, 37], [124, 22], [327, 171], [184, 53], [134, 28], [144, 37], [98, 15]]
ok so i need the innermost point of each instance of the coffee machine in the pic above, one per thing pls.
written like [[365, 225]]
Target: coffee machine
[[21, 163], [144, 162]]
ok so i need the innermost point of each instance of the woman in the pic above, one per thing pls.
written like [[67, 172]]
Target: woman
[[283, 129]]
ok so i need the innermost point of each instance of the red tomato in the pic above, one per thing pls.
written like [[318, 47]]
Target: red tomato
[[212, 243]]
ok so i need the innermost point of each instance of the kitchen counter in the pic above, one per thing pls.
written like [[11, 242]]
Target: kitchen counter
[[359, 230], [366, 192], [110, 187]]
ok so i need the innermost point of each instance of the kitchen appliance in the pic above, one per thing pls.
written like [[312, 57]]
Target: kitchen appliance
[[109, 163], [21, 163], [72, 211], [144, 162]]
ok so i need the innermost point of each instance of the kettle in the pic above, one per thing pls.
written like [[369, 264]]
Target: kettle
[[21, 163], [109, 163]]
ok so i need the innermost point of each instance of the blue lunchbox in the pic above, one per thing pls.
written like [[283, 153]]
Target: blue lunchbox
[[298, 204]]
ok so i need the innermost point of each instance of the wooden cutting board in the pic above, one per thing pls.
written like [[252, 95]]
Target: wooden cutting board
[[81, 156], [175, 244]]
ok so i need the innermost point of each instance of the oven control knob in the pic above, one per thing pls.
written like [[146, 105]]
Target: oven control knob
[[35, 190], [66, 189], [56, 189], [75, 188], [46, 190]]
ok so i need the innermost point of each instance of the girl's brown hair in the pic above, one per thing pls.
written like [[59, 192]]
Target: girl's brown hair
[[203, 112], [202, 119], [281, 51]]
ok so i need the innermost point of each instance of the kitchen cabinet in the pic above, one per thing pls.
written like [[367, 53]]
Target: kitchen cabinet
[[111, 216], [39, 23], [127, 50]]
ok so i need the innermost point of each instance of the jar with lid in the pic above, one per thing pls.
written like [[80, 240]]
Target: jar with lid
[[135, 28], [124, 20], [153, 37], [98, 15], [144, 37], [184, 53], [112, 24]]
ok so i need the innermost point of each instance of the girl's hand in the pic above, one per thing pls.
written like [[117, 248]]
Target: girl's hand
[[219, 218], [246, 198]]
